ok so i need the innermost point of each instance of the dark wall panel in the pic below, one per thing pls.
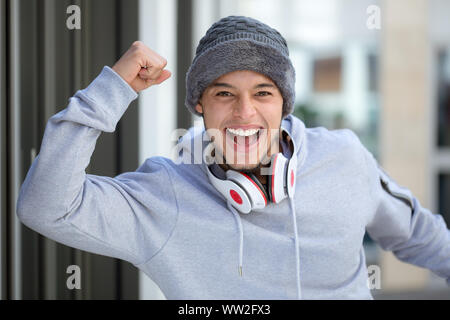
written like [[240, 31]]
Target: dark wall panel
[[55, 62], [184, 59], [3, 158]]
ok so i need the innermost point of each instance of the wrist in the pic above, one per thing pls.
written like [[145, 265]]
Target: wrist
[[121, 75]]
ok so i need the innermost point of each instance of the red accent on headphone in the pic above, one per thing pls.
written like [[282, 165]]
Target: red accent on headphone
[[257, 187], [273, 177], [292, 178], [236, 197]]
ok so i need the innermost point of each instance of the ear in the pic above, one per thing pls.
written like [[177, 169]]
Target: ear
[[199, 108]]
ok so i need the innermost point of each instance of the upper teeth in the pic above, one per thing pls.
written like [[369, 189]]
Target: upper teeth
[[241, 132]]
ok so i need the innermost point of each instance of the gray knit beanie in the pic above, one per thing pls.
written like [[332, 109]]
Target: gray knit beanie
[[241, 43]]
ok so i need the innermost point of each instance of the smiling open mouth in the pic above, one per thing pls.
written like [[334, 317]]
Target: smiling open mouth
[[243, 140]]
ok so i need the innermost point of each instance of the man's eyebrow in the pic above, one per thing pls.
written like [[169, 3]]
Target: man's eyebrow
[[265, 85]]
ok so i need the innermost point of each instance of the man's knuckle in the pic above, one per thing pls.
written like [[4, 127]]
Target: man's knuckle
[[161, 63], [136, 54]]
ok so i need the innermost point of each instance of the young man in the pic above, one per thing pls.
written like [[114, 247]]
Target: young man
[[267, 209]]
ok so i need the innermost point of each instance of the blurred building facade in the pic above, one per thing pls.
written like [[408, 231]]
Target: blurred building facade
[[390, 84]]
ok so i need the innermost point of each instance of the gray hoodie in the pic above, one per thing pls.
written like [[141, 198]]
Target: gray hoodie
[[168, 220]]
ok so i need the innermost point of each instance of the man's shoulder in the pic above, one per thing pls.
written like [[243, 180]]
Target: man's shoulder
[[342, 145], [341, 137], [320, 135]]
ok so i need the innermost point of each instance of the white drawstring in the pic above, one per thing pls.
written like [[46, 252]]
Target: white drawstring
[[297, 254], [241, 235], [296, 245]]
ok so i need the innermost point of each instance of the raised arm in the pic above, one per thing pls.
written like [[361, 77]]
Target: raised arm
[[104, 215]]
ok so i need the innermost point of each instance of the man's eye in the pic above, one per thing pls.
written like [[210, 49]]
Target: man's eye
[[263, 93], [224, 94]]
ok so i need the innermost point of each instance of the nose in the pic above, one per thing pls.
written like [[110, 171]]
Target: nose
[[244, 107]]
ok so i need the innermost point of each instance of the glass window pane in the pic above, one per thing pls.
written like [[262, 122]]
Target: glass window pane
[[443, 99], [327, 74], [444, 197]]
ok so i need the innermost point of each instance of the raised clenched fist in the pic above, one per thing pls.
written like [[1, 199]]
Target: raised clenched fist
[[141, 67]]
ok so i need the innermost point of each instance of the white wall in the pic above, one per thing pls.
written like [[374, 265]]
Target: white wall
[[157, 105]]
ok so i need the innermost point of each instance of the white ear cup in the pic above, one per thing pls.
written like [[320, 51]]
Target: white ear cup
[[232, 192], [278, 178], [255, 194]]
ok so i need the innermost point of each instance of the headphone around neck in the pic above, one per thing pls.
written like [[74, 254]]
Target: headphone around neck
[[245, 192]]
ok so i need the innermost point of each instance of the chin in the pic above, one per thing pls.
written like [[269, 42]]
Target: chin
[[243, 163]]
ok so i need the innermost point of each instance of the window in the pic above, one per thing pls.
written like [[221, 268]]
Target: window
[[443, 114], [327, 74], [444, 196]]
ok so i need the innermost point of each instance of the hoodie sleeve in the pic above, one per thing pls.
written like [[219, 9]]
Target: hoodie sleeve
[[400, 224], [127, 217]]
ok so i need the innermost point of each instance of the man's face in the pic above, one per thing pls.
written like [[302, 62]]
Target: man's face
[[243, 110]]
